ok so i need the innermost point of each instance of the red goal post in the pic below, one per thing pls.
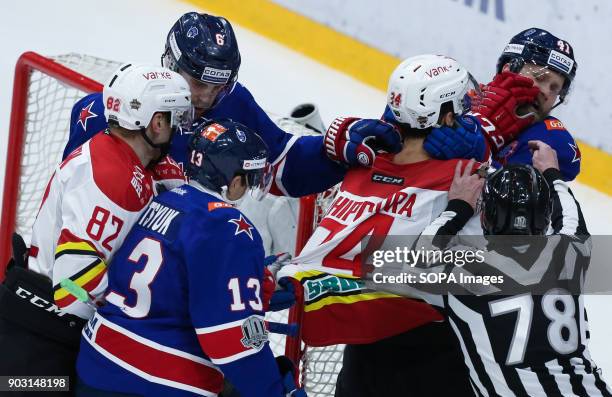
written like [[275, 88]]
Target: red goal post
[[26, 65]]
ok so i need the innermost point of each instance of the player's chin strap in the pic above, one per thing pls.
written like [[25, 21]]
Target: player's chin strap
[[561, 99], [163, 147]]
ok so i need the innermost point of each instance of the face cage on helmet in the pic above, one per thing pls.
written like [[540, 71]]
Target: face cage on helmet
[[567, 83], [259, 181], [516, 63], [182, 118]]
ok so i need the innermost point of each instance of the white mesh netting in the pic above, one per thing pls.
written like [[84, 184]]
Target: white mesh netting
[[49, 104], [47, 126]]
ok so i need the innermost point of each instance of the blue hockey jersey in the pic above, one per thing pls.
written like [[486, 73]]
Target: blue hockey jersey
[[184, 305], [289, 153], [552, 132]]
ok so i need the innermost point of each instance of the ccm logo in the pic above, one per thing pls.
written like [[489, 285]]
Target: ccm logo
[[447, 94], [38, 301], [390, 180]]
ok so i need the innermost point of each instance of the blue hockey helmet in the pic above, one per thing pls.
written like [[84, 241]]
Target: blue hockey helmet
[[516, 200], [219, 150], [541, 48], [205, 47]]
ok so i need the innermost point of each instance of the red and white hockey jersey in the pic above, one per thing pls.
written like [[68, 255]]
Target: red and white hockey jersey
[[376, 203], [385, 200], [89, 206]]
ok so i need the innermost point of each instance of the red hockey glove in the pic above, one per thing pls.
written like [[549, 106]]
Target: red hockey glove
[[269, 285], [167, 175], [496, 110], [353, 141]]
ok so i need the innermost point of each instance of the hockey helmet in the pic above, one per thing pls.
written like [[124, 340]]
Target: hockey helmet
[[516, 200], [221, 149], [135, 92], [205, 47], [542, 48], [420, 85]]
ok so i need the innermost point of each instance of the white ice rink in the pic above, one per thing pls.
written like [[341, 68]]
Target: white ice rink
[[279, 79]]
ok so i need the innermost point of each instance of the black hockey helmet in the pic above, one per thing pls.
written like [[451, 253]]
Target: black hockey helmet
[[221, 149], [542, 48], [516, 200]]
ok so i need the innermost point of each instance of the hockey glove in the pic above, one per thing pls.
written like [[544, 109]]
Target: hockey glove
[[464, 140], [281, 295], [167, 175], [353, 141], [497, 109], [287, 370]]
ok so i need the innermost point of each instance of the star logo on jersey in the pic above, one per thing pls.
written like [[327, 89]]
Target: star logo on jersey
[[85, 115], [242, 226], [577, 155]]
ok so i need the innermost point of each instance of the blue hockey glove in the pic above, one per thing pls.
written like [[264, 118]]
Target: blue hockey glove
[[355, 142], [287, 370], [281, 295], [464, 140], [284, 297]]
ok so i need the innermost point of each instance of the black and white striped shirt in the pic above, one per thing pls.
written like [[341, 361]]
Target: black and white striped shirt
[[525, 343]]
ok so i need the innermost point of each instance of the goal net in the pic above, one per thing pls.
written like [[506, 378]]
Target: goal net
[[44, 91]]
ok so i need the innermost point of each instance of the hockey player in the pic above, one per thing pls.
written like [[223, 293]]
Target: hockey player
[[534, 75], [184, 304], [529, 338], [398, 195], [204, 50], [90, 203]]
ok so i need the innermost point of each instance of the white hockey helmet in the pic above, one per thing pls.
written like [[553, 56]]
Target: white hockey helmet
[[135, 92], [421, 84]]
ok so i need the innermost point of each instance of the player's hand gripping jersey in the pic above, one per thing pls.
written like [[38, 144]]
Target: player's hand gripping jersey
[[85, 215], [190, 272]]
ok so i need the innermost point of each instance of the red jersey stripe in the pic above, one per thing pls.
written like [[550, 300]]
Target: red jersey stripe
[[158, 363]]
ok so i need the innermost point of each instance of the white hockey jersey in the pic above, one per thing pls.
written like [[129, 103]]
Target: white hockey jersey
[[89, 206], [385, 200]]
